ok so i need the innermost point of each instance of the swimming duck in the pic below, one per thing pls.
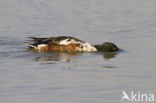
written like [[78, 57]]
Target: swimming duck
[[68, 44]]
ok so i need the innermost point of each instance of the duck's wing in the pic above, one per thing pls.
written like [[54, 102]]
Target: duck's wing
[[60, 40], [40, 40], [65, 40]]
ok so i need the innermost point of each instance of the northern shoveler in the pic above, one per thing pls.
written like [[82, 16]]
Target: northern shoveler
[[68, 44]]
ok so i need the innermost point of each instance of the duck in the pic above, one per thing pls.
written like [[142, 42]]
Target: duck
[[68, 44]]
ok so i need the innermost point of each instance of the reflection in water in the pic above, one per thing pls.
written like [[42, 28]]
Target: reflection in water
[[56, 56], [107, 66], [110, 55], [67, 57]]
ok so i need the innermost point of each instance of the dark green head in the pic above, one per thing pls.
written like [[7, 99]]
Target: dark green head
[[107, 47]]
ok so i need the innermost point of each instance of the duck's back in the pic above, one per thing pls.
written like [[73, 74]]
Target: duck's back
[[61, 44]]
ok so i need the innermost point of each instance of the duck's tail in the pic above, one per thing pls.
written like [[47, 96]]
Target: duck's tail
[[35, 42], [30, 46]]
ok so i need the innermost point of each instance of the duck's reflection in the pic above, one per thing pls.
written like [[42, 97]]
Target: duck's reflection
[[54, 56], [109, 55], [68, 57]]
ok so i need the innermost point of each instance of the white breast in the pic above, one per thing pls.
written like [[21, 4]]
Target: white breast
[[87, 47]]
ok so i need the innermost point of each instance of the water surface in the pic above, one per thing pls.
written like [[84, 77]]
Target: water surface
[[29, 76]]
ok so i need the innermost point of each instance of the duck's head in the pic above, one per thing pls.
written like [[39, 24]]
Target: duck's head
[[107, 47]]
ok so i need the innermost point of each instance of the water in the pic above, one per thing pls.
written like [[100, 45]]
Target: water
[[28, 76]]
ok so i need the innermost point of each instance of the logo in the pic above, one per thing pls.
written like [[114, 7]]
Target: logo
[[137, 97]]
